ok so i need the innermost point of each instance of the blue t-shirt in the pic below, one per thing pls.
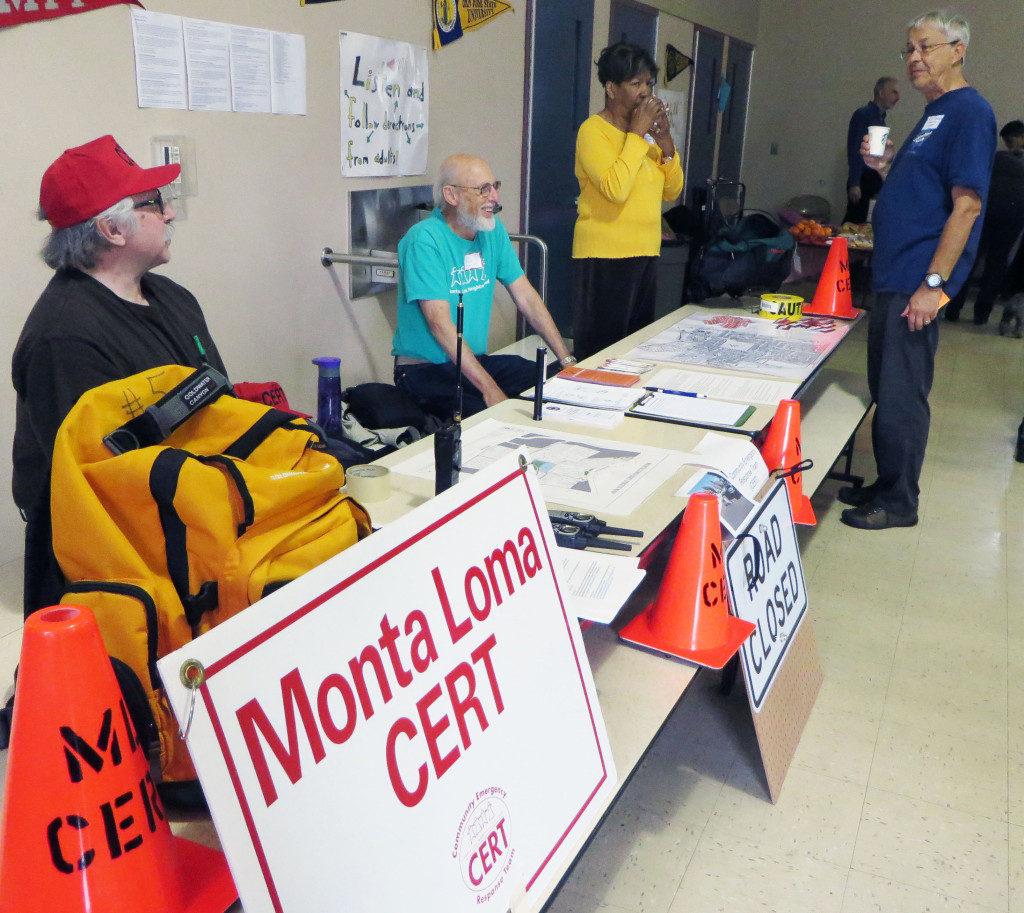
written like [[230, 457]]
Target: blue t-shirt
[[435, 263], [952, 145]]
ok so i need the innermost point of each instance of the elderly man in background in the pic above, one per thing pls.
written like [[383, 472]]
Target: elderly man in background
[[103, 316], [926, 226], [462, 249], [862, 183]]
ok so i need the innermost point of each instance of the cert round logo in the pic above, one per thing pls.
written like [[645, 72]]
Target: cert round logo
[[446, 14], [483, 844]]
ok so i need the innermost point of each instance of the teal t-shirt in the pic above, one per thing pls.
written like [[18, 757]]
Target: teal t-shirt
[[435, 263]]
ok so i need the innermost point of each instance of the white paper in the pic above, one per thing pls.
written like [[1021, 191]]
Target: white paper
[[598, 584], [746, 344], [288, 73], [690, 409], [591, 474], [741, 389], [582, 415], [384, 101], [159, 60], [599, 396], [250, 69], [208, 62], [733, 507], [737, 458]]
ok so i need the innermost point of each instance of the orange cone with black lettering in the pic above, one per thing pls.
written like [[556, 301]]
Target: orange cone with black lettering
[[690, 618], [82, 829], [833, 297], [781, 452]]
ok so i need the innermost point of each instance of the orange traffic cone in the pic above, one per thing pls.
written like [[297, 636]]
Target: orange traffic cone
[[781, 451], [690, 618], [833, 297], [82, 829]]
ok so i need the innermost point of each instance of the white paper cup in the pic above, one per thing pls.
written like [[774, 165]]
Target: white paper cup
[[876, 140]]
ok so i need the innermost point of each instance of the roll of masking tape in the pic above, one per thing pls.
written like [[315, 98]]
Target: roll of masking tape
[[368, 483], [775, 307]]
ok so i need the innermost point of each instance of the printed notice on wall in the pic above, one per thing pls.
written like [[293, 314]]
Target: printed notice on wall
[[384, 93], [159, 60]]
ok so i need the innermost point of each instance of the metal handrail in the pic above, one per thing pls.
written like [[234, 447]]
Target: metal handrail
[[328, 256]]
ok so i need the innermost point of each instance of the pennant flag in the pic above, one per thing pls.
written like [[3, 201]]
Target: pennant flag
[[479, 12], [452, 18], [675, 62], [31, 11], [447, 24]]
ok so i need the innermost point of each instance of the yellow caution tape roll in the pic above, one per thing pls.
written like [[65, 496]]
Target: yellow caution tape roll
[[775, 307]]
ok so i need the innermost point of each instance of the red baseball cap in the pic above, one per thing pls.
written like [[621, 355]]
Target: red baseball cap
[[88, 179]]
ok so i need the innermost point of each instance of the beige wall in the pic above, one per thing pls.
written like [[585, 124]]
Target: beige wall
[[817, 60], [270, 190]]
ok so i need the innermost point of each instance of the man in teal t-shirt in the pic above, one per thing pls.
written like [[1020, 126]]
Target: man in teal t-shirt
[[462, 248]]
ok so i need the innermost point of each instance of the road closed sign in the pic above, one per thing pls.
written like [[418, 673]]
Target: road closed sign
[[412, 725], [766, 583]]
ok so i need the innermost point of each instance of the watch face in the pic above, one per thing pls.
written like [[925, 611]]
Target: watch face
[[933, 280]]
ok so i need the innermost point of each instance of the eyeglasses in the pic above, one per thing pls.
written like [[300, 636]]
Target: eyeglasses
[[924, 50], [485, 190], [157, 201]]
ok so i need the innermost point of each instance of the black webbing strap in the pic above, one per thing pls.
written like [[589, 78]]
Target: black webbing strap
[[260, 430], [154, 425]]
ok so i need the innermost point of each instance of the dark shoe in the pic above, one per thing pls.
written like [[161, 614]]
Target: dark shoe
[[1018, 454], [856, 495], [980, 321], [877, 518]]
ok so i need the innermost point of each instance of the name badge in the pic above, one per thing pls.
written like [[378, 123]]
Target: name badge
[[473, 260], [933, 122]]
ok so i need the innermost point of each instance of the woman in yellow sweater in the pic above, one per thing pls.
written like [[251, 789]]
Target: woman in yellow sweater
[[626, 163]]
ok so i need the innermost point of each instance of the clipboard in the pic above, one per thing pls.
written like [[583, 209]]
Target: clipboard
[[715, 414]]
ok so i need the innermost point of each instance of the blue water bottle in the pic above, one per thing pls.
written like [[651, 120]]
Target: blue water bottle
[[328, 395]]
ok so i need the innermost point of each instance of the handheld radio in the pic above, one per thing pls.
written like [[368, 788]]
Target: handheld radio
[[448, 440]]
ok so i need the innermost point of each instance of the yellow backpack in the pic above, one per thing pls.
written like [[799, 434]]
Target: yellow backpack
[[175, 505]]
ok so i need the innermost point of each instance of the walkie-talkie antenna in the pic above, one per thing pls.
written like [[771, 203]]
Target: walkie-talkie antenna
[[458, 362]]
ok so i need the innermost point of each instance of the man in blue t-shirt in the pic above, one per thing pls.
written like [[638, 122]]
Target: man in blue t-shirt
[[462, 249], [926, 227], [863, 183]]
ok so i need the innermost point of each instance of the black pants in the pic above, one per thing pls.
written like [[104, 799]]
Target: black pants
[[901, 367], [610, 299], [1003, 226], [870, 184], [433, 386], [43, 580]]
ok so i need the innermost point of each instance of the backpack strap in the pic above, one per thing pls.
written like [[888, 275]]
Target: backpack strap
[[260, 430], [153, 426], [163, 483]]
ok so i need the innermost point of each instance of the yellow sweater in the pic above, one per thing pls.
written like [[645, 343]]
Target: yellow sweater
[[622, 184]]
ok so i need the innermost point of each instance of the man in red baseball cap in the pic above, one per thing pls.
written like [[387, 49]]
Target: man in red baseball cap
[[103, 316]]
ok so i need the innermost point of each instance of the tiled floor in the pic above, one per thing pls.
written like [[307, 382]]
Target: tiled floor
[[907, 791]]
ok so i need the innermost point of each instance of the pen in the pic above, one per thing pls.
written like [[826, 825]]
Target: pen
[[677, 392]]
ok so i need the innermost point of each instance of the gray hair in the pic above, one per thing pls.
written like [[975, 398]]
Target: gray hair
[[954, 26], [882, 82], [447, 174], [79, 246]]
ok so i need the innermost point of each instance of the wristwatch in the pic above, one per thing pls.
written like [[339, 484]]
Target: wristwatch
[[568, 360], [934, 280]]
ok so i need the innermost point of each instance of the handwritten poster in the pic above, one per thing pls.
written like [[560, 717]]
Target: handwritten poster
[[384, 93]]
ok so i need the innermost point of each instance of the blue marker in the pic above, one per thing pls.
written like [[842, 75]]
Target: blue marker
[[677, 392]]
